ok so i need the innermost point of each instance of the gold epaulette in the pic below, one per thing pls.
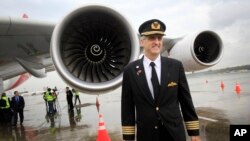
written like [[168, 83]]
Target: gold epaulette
[[128, 130], [192, 125]]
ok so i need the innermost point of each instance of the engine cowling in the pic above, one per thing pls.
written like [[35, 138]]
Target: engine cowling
[[197, 51], [91, 46]]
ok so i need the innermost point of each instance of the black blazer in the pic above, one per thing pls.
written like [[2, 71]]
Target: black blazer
[[174, 100], [17, 105]]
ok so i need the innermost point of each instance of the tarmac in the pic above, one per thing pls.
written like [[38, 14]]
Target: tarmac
[[217, 110]]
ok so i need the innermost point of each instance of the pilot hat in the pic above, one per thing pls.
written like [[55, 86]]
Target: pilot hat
[[152, 27]]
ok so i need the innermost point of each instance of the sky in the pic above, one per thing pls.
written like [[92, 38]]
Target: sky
[[229, 18]]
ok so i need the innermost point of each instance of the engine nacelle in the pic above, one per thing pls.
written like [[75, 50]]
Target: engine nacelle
[[198, 51], [91, 46]]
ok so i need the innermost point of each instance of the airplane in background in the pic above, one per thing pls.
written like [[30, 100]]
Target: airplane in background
[[89, 49]]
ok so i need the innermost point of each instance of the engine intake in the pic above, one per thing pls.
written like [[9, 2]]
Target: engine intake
[[207, 47], [197, 51], [91, 47]]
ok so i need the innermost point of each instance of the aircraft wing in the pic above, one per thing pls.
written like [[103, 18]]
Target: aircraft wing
[[24, 47]]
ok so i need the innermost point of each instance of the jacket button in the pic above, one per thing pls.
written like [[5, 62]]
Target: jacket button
[[156, 127], [157, 108]]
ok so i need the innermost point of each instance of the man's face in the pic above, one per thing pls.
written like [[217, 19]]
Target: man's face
[[152, 44]]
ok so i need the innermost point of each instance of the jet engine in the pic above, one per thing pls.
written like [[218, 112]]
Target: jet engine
[[91, 46], [197, 51]]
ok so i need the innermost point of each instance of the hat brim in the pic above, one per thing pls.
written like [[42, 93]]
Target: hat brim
[[152, 33]]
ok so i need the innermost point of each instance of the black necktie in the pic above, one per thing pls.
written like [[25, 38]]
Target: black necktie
[[155, 81]]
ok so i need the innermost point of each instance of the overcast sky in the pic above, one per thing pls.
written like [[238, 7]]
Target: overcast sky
[[229, 18]]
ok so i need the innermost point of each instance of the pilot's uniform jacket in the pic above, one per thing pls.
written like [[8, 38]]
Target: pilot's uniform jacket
[[141, 111]]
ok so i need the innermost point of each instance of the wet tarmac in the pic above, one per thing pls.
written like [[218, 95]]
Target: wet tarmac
[[217, 109]]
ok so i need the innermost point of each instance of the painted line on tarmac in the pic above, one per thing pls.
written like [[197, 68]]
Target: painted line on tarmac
[[209, 119]]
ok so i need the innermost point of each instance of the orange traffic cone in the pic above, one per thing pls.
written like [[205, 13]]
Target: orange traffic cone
[[222, 85], [102, 133], [237, 88]]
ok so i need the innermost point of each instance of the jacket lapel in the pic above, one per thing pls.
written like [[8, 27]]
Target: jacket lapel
[[142, 81]]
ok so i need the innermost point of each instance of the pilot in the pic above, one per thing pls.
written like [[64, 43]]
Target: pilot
[[154, 89]]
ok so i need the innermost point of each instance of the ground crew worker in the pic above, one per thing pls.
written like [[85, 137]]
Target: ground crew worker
[[5, 109], [50, 100], [69, 97], [77, 95]]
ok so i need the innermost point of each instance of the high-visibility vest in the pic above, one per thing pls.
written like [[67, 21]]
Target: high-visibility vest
[[5, 98], [44, 95], [49, 96], [77, 93]]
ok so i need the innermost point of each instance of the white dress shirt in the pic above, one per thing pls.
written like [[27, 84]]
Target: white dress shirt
[[148, 71]]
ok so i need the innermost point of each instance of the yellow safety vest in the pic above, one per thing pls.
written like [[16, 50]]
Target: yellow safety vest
[[77, 93], [45, 94], [7, 102], [49, 97]]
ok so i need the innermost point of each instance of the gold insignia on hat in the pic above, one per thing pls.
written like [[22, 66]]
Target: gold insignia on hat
[[155, 25]]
